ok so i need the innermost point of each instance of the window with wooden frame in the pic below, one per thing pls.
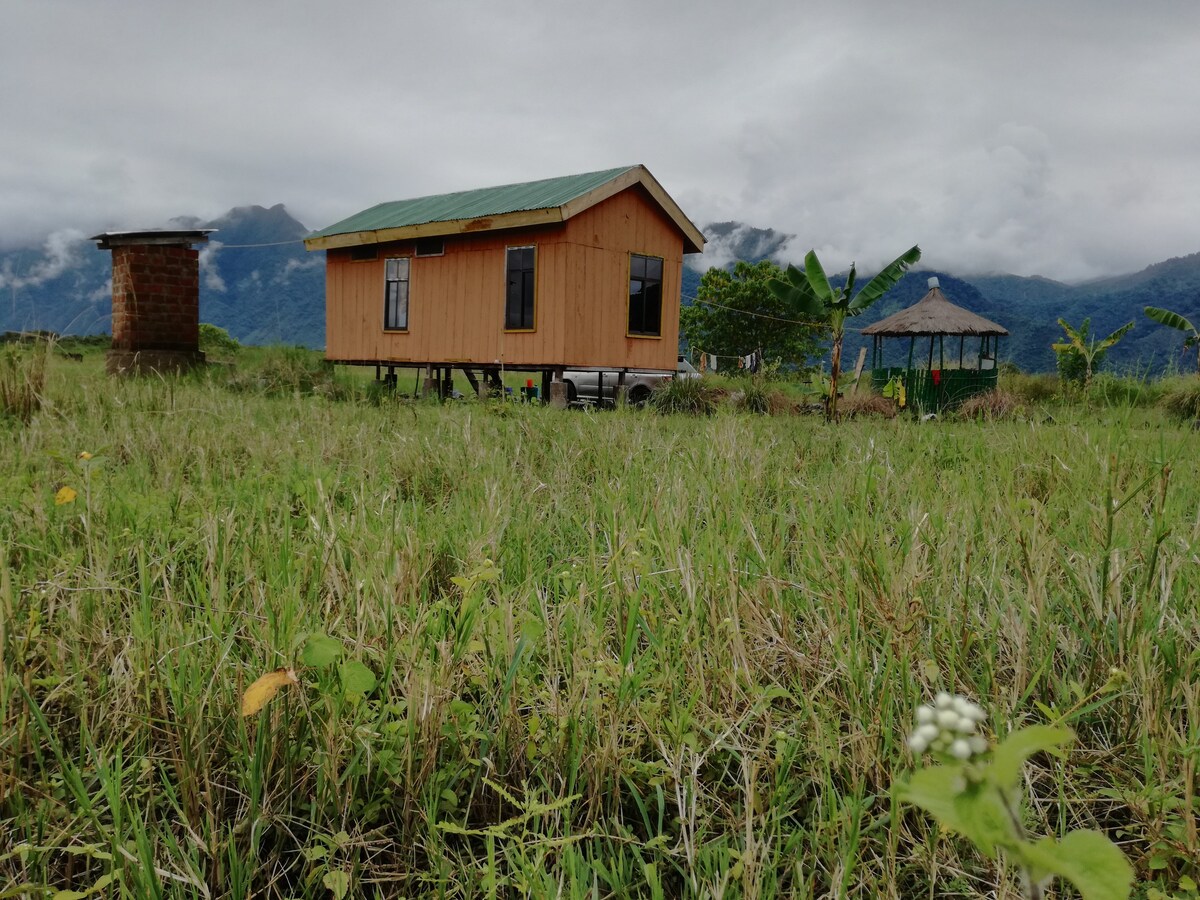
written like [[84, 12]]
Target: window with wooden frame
[[395, 294], [519, 298], [645, 295]]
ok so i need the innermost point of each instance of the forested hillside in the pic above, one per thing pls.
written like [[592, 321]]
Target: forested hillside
[[1029, 307], [258, 282]]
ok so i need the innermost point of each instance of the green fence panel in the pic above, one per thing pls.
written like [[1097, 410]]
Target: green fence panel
[[933, 391]]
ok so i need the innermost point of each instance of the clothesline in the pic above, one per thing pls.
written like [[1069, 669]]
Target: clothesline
[[751, 361]]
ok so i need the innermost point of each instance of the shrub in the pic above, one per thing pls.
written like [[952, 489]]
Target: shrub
[[22, 380], [1111, 390], [290, 370], [994, 405], [1183, 401], [858, 405], [685, 395], [82, 343], [214, 339], [1031, 388], [754, 396]]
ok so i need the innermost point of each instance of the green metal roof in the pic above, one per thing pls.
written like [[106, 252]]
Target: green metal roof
[[477, 204]]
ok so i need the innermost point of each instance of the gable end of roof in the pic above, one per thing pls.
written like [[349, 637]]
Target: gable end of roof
[[508, 206]]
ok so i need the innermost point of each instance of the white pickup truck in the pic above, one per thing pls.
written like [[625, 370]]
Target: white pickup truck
[[601, 387]]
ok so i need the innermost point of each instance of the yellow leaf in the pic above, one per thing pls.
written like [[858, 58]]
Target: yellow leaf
[[260, 693], [65, 495], [85, 455]]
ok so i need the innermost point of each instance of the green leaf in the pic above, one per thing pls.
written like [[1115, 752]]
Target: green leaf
[[1114, 337], [357, 678], [972, 810], [986, 820], [1090, 861], [320, 651], [69, 895], [885, 280], [934, 789], [1170, 319], [814, 273], [1010, 755], [799, 298], [337, 883]]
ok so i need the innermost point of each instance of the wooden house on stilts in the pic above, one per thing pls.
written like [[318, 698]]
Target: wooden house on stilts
[[578, 272]]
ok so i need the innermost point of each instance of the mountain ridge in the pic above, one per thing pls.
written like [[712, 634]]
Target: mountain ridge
[[259, 283]]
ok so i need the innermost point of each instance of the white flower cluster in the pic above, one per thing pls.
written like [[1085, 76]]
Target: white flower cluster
[[950, 725]]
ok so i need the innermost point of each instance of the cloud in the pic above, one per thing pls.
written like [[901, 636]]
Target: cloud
[[1020, 136], [208, 266], [292, 266], [60, 252]]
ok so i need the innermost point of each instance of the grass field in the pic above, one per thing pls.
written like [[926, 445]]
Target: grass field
[[618, 654]]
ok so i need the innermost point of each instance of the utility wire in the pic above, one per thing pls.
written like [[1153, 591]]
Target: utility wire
[[249, 246], [758, 315]]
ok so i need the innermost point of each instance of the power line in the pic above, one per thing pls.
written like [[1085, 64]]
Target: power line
[[746, 312], [249, 246]]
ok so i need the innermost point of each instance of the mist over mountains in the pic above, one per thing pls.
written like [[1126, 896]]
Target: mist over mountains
[[256, 280], [1028, 306], [259, 283]]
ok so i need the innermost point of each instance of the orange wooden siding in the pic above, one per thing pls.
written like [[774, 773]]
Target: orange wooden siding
[[457, 301]]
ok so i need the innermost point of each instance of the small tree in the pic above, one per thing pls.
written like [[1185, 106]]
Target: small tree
[[1081, 354], [1175, 320], [811, 296], [736, 313]]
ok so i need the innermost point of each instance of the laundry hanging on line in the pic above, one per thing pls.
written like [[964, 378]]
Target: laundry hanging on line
[[710, 362]]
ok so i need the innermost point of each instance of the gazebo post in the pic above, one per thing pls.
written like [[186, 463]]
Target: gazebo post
[[929, 368], [912, 343], [962, 339]]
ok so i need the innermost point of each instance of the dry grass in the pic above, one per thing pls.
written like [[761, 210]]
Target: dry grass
[[23, 379], [863, 405], [691, 675], [991, 407]]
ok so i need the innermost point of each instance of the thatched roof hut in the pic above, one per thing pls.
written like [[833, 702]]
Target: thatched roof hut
[[934, 314], [933, 386]]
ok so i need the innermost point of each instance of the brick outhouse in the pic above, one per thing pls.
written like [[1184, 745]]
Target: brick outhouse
[[155, 300]]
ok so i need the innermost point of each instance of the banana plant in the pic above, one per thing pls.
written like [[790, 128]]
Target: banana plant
[[1084, 348], [1175, 320], [810, 294]]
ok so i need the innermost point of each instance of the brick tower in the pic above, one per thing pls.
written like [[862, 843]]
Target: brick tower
[[155, 300]]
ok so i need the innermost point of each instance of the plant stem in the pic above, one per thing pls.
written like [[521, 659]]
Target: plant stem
[[1029, 886]]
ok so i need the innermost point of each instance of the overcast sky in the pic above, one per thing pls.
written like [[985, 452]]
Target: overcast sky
[[1054, 137]]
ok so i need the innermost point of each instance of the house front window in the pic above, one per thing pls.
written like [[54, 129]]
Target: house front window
[[395, 294], [645, 295], [519, 299]]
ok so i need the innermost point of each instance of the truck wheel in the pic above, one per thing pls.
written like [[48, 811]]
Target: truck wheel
[[572, 394], [639, 395]]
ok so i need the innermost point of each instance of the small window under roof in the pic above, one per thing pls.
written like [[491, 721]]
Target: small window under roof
[[431, 246]]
